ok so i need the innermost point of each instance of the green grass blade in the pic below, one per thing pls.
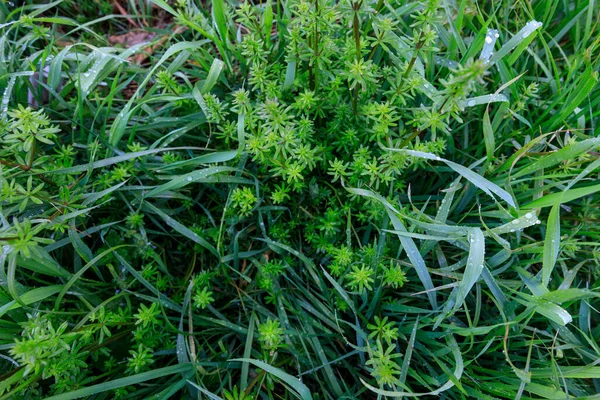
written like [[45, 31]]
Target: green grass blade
[[124, 382], [488, 187], [291, 381], [551, 243]]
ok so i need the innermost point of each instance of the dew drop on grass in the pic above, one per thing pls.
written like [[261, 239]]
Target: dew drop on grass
[[530, 28], [488, 39], [189, 178], [528, 215], [471, 103]]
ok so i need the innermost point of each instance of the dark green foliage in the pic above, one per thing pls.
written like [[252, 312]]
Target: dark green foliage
[[299, 199]]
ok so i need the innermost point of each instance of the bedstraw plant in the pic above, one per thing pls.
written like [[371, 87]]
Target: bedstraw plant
[[313, 199]]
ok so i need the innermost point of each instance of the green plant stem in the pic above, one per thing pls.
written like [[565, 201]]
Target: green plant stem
[[356, 30], [411, 64]]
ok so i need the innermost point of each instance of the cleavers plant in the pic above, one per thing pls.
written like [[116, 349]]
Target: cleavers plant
[[312, 199]]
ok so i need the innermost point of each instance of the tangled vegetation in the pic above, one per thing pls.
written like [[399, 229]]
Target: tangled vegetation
[[312, 199]]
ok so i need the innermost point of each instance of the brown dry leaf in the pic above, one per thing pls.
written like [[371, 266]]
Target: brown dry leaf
[[131, 38], [141, 57]]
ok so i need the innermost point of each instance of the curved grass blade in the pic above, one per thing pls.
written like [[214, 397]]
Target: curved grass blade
[[474, 265], [409, 245], [79, 273], [568, 152], [183, 180], [123, 382], [551, 243], [293, 382], [30, 297], [115, 160], [182, 229], [488, 187], [523, 36]]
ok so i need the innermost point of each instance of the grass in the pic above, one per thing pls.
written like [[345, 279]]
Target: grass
[[299, 199]]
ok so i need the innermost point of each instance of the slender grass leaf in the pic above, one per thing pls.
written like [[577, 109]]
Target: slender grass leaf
[[164, 300], [562, 197], [290, 74], [488, 187], [549, 310], [291, 381], [124, 382], [568, 152], [211, 158], [42, 263], [181, 181], [180, 228], [484, 100], [474, 265], [408, 244], [551, 243], [30, 297], [115, 160], [488, 136], [568, 372], [220, 19], [565, 295], [80, 273], [522, 222], [247, 353], [524, 35], [213, 75]]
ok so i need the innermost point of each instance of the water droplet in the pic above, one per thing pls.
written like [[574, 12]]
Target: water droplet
[[515, 221], [512, 230], [189, 178], [471, 103], [529, 215], [488, 39], [538, 222]]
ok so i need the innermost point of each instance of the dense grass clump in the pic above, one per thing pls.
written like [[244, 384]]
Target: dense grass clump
[[310, 199]]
